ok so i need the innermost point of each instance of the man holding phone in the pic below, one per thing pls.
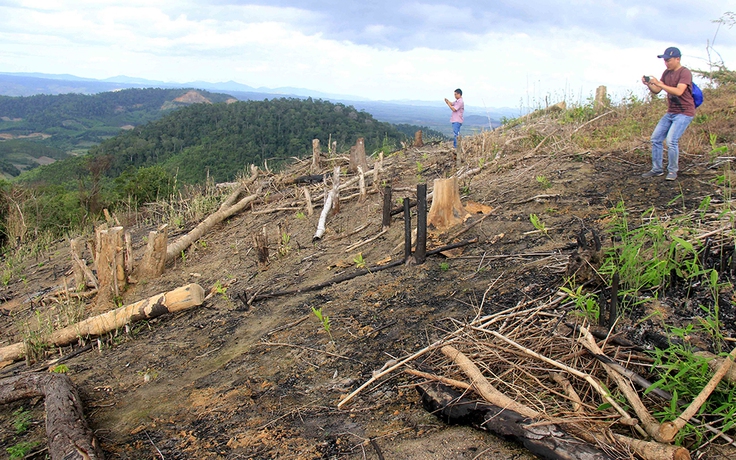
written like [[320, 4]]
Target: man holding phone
[[458, 109], [677, 82]]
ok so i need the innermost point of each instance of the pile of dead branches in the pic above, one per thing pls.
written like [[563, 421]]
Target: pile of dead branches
[[541, 363]]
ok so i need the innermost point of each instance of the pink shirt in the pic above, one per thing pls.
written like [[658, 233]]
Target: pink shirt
[[457, 114]]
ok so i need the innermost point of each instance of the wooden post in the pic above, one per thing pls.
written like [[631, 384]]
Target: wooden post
[[421, 251], [418, 139], [316, 152], [447, 210], [386, 222], [357, 156], [407, 230], [154, 258]]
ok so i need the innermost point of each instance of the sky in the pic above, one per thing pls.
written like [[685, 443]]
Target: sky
[[503, 53]]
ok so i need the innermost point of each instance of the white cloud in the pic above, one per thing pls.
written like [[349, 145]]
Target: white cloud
[[499, 54]]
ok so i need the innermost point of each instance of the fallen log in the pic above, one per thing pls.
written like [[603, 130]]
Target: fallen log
[[179, 299], [228, 208], [69, 436], [544, 440], [348, 276]]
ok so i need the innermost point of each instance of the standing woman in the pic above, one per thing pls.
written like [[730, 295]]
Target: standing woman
[[458, 108]]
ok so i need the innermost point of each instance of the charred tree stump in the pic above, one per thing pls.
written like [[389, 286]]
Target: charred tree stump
[[420, 253], [447, 210], [154, 258], [418, 142], [316, 153], [544, 440], [69, 436], [407, 230], [260, 243], [386, 221], [357, 156]]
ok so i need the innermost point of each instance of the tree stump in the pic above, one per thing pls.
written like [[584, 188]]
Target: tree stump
[[601, 99], [154, 258], [418, 142], [110, 262], [81, 271], [357, 156], [316, 152], [447, 210]]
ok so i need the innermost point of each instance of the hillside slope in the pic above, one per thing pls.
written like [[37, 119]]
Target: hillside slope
[[261, 379]]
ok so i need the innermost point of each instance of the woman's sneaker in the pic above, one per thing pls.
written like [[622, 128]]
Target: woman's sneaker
[[671, 176]]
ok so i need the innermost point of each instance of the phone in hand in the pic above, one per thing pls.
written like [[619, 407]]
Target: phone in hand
[[646, 78]]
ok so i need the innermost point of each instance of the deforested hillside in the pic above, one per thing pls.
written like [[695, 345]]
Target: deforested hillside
[[565, 304]]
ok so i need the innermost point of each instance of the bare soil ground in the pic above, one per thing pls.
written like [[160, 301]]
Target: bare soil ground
[[230, 380]]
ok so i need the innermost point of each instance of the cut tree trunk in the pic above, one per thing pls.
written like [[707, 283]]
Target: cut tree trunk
[[357, 156], [179, 299], [418, 142], [110, 262], [316, 152], [447, 210], [154, 258], [69, 436]]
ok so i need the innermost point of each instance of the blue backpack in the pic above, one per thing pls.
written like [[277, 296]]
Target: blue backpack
[[697, 95]]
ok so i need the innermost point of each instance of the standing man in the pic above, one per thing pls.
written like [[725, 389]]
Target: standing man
[[458, 108], [677, 82]]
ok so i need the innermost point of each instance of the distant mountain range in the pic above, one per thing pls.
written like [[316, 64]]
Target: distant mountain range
[[434, 115]]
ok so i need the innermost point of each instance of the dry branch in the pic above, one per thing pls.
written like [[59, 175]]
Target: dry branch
[[228, 208]]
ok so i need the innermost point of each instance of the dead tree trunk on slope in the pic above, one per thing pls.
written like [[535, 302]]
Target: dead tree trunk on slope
[[447, 210], [228, 208], [357, 156], [69, 436]]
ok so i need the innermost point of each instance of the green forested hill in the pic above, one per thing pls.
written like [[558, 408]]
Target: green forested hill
[[224, 138], [59, 125], [185, 146]]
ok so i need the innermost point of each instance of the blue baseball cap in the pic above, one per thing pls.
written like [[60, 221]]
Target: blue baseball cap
[[670, 52]]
